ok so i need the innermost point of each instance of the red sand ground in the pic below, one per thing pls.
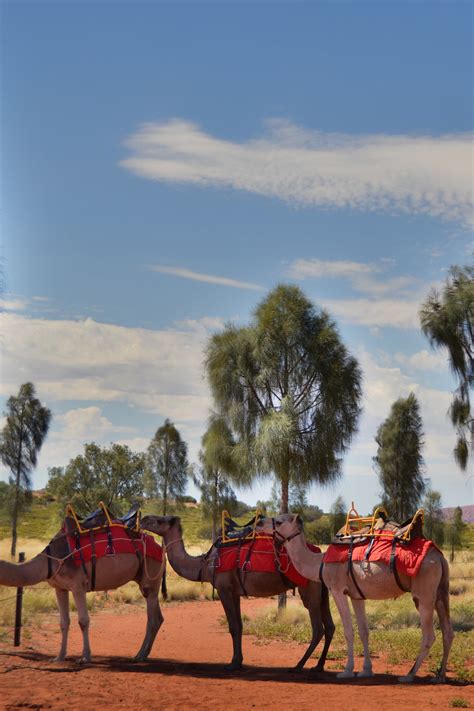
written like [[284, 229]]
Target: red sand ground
[[186, 670]]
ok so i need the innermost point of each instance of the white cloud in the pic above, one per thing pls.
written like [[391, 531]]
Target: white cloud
[[428, 175], [362, 276], [13, 304], [207, 278], [159, 371], [423, 360], [395, 313]]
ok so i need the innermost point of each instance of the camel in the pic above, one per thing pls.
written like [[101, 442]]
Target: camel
[[232, 585], [429, 590], [55, 566]]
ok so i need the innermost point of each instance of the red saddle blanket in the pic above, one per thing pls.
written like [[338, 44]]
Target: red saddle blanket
[[121, 543], [258, 555], [408, 559]]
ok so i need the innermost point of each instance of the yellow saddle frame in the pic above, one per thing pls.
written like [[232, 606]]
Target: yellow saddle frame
[[249, 536], [71, 512], [355, 522]]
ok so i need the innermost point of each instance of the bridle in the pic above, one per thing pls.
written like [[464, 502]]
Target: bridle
[[279, 538]]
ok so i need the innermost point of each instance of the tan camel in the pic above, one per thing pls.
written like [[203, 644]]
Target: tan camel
[[232, 585], [429, 590], [55, 566]]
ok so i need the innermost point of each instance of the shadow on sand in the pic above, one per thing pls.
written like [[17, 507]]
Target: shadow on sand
[[197, 670]]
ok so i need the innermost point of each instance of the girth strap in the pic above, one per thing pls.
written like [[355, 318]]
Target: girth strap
[[93, 560], [393, 564], [350, 569], [79, 549]]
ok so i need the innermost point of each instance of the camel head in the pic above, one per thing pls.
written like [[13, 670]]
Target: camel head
[[284, 525], [159, 524]]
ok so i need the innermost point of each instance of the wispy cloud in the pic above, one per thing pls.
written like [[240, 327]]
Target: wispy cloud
[[13, 304], [208, 278], [365, 278], [428, 175]]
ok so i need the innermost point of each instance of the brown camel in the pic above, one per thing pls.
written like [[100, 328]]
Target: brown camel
[[55, 565], [429, 590], [232, 585]]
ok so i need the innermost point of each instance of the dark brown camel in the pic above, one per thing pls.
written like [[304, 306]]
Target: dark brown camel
[[230, 589]]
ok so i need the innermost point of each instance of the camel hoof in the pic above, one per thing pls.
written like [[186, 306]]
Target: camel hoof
[[140, 657], [365, 674], [84, 660], [438, 680], [297, 669], [345, 675], [59, 658], [407, 679]]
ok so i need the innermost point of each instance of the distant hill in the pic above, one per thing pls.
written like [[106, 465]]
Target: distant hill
[[467, 513]]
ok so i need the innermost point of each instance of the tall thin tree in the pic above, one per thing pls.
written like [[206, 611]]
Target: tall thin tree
[[399, 460], [217, 470], [447, 319], [288, 389], [167, 462], [27, 424]]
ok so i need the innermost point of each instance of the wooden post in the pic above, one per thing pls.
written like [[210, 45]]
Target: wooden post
[[19, 603]]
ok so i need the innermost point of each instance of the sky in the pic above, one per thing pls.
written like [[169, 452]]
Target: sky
[[165, 165]]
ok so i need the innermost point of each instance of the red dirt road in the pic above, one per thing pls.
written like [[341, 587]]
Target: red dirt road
[[186, 670]]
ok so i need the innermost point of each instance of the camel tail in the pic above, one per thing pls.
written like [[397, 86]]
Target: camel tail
[[164, 589], [443, 587]]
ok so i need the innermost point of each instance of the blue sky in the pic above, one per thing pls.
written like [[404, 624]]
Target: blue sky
[[165, 164]]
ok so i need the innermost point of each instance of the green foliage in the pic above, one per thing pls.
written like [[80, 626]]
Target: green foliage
[[288, 389], [454, 530], [113, 475], [433, 525], [167, 464], [458, 702], [447, 319], [338, 515], [27, 424], [319, 531], [398, 460]]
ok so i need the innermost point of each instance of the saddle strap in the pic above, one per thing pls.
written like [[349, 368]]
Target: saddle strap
[[350, 569], [81, 556], [93, 560], [393, 565]]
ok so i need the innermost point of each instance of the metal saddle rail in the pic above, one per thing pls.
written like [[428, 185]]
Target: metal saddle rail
[[103, 519], [233, 532], [358, 529]]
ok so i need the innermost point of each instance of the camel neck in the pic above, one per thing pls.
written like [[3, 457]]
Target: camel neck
[[306, 561], [23, 574], [187, 566]]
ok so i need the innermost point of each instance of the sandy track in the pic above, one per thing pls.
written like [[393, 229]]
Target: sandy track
[[186, 670]]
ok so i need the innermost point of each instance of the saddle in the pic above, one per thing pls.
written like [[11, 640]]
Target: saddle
[[102, 518], [233, 532], [360, 529]]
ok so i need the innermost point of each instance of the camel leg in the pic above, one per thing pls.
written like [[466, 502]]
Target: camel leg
[[359, 609], [62, 596], [448, 636], [312, 601], [343, 606], [428, 637], [83, 617], [231, 604], [329, 627], [154, 622]]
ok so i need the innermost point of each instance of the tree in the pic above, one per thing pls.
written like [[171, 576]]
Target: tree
[[447, 319], [454, 532], [399, 461], [113, 475], [337, 515], [27, 424], [289, 391], [433, 525], [217, 467], [167, 462]]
